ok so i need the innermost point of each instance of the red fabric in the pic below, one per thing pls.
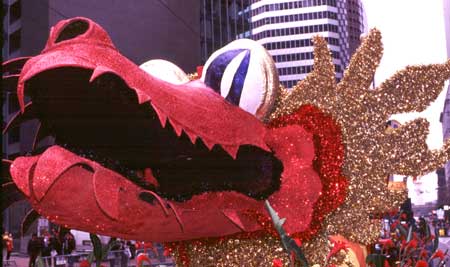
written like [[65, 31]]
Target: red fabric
[[74, 191]]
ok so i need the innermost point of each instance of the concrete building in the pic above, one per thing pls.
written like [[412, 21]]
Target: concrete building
[[285, 28], [444, 177], [141, 30]]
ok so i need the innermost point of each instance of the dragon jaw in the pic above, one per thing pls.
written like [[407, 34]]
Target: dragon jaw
[[192, 111]]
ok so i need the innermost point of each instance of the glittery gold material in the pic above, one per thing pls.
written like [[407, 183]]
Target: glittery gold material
[[372, 153], [233, 252]]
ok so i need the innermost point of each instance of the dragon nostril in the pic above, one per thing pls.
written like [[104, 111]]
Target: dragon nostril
[[72, 30]]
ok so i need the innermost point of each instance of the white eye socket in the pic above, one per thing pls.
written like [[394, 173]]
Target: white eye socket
[[243, 73]]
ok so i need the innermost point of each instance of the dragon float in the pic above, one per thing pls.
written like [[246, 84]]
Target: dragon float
[[191, 163]]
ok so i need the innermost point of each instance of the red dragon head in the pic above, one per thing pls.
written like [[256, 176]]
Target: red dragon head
[[209, 164]]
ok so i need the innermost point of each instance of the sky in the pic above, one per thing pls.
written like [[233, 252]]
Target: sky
[[413, 33]]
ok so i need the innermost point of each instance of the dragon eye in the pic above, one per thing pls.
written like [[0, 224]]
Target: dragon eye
[[244, 74], [72, 30]]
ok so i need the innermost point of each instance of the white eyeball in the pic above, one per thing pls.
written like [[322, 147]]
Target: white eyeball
[[244, 73]]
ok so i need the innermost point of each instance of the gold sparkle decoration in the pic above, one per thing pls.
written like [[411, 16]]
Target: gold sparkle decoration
[[372, 153], [260, 251]]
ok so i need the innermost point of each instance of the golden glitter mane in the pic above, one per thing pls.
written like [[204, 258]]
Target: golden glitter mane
[[372, 153]]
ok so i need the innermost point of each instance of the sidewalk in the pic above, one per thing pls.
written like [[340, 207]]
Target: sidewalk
[[21, 260]]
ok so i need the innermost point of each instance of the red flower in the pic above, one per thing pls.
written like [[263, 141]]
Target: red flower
[[337, 246], [277, 262], [85, 263], [298, 242], [412, 244], [438, 254], [141, 258], [421, 263]]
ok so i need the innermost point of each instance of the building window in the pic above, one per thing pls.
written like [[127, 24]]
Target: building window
[[15, 12], [14, 41], [14, 135]]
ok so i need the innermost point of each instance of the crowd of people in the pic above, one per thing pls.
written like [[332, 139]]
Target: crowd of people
[[56, 248], [50, 245]]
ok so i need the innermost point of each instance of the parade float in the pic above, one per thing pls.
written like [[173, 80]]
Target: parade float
[[225, 166]]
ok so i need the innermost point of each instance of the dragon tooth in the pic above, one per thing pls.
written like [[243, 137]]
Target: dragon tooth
[[208, 144], [231, 150], [142, 97], [98, 71], [176, 127], [192, 136], [162, 117]]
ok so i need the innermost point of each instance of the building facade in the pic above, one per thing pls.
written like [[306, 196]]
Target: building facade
[[285, 29], [444, 177], [222, 21]]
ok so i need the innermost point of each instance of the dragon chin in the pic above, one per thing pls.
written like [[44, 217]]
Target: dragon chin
[[280, 162]]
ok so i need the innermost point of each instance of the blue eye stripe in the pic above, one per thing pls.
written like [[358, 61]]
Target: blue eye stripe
[[237, 85], [217, 67]]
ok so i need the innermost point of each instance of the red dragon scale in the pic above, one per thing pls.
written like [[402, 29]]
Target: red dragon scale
[[214, 163]]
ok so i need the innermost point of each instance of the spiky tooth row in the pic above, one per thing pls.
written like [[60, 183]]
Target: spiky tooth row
[[230, 149]]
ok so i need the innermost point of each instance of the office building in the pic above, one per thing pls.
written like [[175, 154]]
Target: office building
[[223, 21], [286, 28], [444, 177]]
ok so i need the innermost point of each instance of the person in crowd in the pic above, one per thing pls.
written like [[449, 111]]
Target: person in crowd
[[34, 249], [69, 246], [132, 247], [47, 248], [9, 244]]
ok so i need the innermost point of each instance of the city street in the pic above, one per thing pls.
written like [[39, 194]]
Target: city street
[[22, 260]]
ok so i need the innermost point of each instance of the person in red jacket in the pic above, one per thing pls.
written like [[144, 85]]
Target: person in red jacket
[[8, 243]]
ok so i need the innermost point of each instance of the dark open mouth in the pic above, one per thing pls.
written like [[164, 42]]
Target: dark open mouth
[[102, 121]]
